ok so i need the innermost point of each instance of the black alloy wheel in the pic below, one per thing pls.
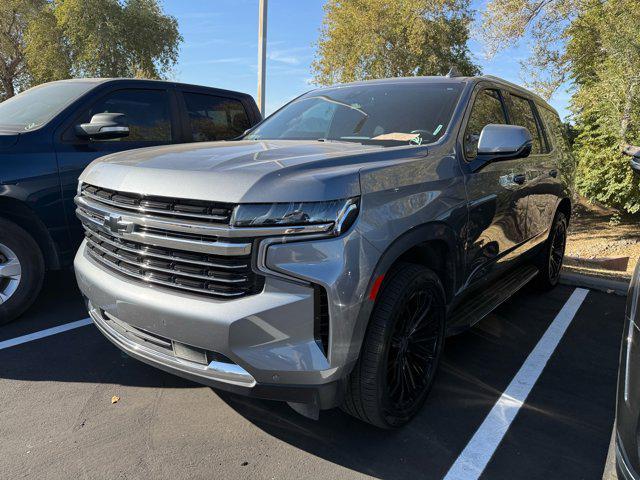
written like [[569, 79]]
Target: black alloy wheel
[[401, 349], [556, 253], [413, 349], [550, 258]]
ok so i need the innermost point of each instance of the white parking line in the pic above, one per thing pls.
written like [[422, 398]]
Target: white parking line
[[44, 333], [476, 455]]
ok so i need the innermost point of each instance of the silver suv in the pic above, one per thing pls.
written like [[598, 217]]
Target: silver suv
[[323, 258]]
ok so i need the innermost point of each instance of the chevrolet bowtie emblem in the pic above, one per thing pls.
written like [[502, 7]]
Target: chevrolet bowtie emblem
[[115, 224]]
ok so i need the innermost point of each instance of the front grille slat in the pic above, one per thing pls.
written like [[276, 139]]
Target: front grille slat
[[166, 254], [214, 273], [179, 208], [152, 279], [132, 263]]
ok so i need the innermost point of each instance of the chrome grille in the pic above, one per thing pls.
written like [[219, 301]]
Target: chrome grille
[[160, 206], [171, 249], [207, 274]]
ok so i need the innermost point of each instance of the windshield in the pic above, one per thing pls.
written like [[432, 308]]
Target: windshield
[[384, 114], [36, 106]]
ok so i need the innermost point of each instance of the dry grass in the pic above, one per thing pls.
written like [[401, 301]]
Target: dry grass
[[597, 232]]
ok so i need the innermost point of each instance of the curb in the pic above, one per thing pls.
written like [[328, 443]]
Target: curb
[[619, 287]]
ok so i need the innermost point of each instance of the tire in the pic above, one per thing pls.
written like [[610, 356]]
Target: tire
[[374, 392], [550, 258], [21, 271]]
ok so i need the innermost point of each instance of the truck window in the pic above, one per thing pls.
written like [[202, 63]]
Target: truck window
[[147, 113], [522, 114], [215, 118], [487, 109]]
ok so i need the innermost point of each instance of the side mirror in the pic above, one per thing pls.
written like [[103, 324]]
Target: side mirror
[[504, 142], [635, 164], [104, 126]]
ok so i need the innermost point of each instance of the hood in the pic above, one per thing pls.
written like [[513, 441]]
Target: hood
[[237, 171]]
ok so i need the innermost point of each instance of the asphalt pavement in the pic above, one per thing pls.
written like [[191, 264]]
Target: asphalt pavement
[[57, 419]]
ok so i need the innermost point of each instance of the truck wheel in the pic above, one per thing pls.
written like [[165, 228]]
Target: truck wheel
[[549, 261], [401, 349], [21, 271]]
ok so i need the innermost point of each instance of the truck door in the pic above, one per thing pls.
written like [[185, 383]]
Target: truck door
[[497, 203], [540, 167], [152, 119]]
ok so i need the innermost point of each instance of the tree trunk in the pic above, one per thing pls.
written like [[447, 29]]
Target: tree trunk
[[9, 90], [626, 112]]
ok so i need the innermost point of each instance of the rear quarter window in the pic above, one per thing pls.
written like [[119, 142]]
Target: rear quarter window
[[523, 113]]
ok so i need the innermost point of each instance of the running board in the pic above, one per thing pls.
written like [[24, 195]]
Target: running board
[[482, 303]]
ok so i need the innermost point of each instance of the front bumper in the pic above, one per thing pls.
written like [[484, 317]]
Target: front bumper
[[220, 375], [267, 338]]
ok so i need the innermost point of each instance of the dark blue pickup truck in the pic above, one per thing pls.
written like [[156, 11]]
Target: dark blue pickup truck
[[50, 133]]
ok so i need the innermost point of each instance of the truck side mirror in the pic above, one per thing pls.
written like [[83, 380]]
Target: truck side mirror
[[104, 126], [635, 164], [504, 142]]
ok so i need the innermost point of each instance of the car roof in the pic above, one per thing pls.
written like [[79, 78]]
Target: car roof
[[451, 80], [99, 81]]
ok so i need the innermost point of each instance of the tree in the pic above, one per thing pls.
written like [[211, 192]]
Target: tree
[[593, 44], [55, 39], [505, 22], [364, 39], [605, 52], [15, 16]]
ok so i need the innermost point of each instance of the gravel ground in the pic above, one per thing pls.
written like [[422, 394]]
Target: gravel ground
[[596, 232]]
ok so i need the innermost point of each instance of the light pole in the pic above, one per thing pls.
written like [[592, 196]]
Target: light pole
[[262, 53]]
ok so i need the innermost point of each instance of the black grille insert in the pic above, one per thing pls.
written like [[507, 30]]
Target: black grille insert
[[321, 319], [214, 212], [217, 276]]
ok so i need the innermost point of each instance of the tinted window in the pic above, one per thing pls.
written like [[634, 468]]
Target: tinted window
[[147, 113], [36, 106], [556, 131], [215, 118], [387, 114], [487, 109], [522, 114]]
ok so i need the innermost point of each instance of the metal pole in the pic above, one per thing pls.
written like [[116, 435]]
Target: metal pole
[[262, 54]]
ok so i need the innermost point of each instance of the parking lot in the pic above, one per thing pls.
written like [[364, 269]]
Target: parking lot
[[58, 420]]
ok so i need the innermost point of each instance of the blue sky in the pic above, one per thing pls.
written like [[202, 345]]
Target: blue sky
[[220, 47]]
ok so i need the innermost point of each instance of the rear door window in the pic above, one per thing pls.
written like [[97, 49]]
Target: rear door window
[[487, 109], [523, 114], [214, 118], [147, 111]]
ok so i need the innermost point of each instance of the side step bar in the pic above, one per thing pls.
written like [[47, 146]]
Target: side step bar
[[482, 303]]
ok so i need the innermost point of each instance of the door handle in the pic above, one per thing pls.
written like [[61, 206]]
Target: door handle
[[519, 178], [553, 173], [513, 180]]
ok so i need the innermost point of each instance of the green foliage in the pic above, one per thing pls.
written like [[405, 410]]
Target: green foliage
[[595, 45], [365, 39], [15, 16], [605, 52], [57, 39]]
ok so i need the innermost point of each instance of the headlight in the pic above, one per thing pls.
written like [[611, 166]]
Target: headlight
[[336, 215]]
